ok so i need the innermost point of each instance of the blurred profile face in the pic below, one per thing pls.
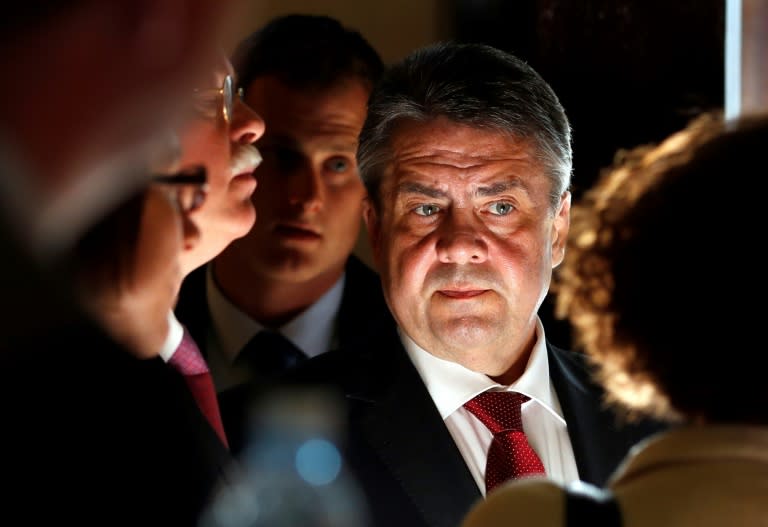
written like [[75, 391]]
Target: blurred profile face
[[466, 240], [122, 70], [134, 307], [163, 233], [157, 53], [310, 195], [224, 146]]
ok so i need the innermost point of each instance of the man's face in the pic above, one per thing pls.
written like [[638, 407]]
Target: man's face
[[310, 196], [224, 147], [466, 240]]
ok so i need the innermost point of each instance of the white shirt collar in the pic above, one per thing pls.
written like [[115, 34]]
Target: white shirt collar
[[173, 340], [312, 331], [451, 385]]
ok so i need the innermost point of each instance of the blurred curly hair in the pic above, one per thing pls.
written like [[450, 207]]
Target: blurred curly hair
[[650, 279]]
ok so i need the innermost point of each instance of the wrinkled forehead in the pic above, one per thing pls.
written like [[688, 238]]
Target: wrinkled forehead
[[441, 140]]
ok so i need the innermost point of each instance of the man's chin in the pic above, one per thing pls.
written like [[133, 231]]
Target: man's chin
[[291, 265], [467, 335]]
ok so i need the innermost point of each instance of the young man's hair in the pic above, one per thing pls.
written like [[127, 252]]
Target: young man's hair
[[306, 51]]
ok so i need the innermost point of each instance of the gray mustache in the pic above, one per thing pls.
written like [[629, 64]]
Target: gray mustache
[[245, 158], [450, 276]]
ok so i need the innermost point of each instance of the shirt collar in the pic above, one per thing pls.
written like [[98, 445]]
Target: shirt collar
[[173, 340], [451, 385], [312, 331]]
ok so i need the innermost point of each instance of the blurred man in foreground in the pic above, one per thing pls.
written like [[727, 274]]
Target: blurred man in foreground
[[91, 87]]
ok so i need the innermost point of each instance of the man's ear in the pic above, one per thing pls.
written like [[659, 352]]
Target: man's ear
[[560, 227], [373, 225]]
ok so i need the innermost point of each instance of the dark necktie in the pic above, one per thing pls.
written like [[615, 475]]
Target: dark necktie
[[268, 354], [510, 455], [188, 361]]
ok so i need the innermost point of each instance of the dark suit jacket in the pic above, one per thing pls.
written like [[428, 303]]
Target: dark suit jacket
[[90, 434], [362, 303], [401, 451]]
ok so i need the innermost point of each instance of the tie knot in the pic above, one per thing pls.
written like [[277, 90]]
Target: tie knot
[[498, 411], [269, 354], [187, 358]]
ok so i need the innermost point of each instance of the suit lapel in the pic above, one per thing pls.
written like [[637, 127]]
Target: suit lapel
[[599, 439], [393, 410], [361, 300], [362, 306], [397, 417]]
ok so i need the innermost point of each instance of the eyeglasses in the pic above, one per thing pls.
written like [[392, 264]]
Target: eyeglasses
[[218, 101], [190, 187]]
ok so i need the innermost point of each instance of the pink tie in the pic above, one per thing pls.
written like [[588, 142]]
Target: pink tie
[[510, 455], [188, 361]]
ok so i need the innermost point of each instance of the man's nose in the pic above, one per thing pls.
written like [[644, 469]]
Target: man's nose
[[461, 239]]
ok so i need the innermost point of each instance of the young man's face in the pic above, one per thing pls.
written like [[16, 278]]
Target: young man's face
[[310, 195]]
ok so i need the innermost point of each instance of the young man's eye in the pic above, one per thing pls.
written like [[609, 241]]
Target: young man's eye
[[337, 164]]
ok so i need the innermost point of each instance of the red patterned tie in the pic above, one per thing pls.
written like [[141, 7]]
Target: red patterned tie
[[510, 455], [188, 360]]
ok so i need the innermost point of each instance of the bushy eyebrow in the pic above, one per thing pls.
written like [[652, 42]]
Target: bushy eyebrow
[[410, 187], [500, 188]]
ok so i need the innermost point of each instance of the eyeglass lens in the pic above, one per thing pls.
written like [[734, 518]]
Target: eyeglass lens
[[227, 96]]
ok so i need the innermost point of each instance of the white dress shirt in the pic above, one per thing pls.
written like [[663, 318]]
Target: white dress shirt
[[451, 385], [173, 340], [313, 331]]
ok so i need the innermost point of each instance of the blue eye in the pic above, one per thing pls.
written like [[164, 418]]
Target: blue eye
[[337, 164], [501, 208], [427, 210]]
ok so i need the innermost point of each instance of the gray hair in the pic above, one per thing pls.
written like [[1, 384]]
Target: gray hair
[[470, 84]]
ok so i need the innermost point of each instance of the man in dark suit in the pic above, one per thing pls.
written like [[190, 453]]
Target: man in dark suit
[[466, 157], [91, 433], [293, 274]]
